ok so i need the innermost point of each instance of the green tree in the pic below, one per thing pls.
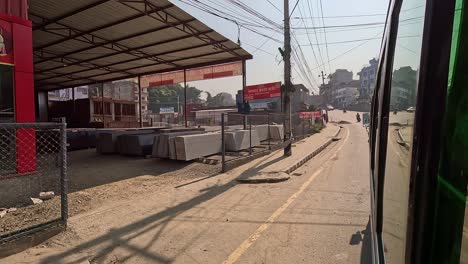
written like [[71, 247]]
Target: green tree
[[169, 95], [220, 99]]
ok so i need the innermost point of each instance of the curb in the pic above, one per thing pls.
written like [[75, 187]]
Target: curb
[[313, 154], [262, 180], [402, 141]]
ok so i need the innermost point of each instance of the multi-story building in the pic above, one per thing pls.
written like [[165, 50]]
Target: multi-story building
[[345, 94], [367, 77]]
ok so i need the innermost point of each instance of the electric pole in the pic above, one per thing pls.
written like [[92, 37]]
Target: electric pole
[[323, 86], [287, 80]]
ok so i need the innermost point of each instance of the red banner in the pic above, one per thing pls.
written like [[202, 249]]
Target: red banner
[[6, 44], [260, 91], [304, 115], [197, 74]]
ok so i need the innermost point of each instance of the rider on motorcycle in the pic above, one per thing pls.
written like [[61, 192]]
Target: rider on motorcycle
[[358, 117]]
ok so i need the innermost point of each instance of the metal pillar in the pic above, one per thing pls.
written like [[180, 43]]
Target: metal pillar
[[63, 171], [185, 98], [139, 101], [244, 83], [102, 105], [73, 98], [223, 146]]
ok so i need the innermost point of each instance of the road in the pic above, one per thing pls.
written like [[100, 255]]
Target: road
[[320, 215]]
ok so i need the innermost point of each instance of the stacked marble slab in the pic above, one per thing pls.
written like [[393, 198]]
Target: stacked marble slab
[[237, 140], [276, 132], [136, 144], [107, 141], [162, 143], [191, 147]]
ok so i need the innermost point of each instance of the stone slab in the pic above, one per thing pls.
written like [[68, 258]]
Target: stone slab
[[196, 146], [137, 144], [276, 132], [161, 144], [107, 142], [240, 139]]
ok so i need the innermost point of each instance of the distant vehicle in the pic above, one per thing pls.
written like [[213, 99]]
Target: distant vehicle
[[344, 110], [411, 109], [330, 108]]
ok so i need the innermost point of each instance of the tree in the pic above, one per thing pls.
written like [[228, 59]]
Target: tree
[[221, 99], [169, 95], [312, 108]]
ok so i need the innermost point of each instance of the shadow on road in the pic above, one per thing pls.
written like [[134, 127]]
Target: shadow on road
[[104, 245]]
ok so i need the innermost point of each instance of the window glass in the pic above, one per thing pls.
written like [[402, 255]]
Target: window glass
[[400, 131], [6, 94]]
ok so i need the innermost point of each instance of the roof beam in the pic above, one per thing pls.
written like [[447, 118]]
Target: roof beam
[[126, 37], [130, 60], [46, 22], [165, 16], [202, 64], [130, 49], [124, 20], [66, 61], [93, 40], [155, 64]]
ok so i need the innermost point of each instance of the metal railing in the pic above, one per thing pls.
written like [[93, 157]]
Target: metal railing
[[258, 134], [33, 159]]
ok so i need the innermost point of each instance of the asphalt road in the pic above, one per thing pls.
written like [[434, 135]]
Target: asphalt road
[[320, 215]]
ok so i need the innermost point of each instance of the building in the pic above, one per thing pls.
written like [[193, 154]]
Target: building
[[345, 96], [341, 91], [403, 93], [340, 76], [299, 98], [367, 77]]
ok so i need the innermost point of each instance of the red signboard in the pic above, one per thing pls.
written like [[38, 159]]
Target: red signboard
[[304, 115], [6, 47], [260, 91], [197, 74]]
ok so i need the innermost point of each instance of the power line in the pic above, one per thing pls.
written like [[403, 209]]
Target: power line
[[281, 12], [310, 41], [351, 49], [357, 15], [325, 34], [294, 8], [357, 40]]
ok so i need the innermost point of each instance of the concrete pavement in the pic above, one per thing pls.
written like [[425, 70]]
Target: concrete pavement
[[320, 215]]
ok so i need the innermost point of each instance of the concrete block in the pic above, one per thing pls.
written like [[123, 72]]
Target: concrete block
[[276, 132], [108, 140], [172, 150], [161, 147], [262, 132], [196, 146], [240, 139], [136, 144]]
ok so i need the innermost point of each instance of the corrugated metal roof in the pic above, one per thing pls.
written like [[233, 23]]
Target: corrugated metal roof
[[83, 42]]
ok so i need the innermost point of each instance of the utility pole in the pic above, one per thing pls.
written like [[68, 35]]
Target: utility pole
[[323, 85], [287, 80]]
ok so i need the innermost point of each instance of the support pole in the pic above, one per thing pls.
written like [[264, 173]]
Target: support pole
[[102, 105], [185, 98], [223, 146], [73, 98], [244, 83], [287, 80], [139, 101]]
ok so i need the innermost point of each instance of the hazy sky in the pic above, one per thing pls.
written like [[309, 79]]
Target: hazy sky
[[266, 65]]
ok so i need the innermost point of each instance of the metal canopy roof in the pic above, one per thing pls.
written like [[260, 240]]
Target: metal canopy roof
[[83, 42]]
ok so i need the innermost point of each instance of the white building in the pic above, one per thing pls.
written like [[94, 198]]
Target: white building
[[367, 77], [345, 96]]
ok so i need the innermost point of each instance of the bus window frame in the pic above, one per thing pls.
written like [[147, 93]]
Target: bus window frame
[[432, 87]]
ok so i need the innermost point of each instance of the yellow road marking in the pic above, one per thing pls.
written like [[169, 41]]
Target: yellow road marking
[[257, 234]]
